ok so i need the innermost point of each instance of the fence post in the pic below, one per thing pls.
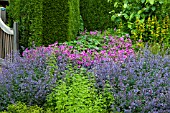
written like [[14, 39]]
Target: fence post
[[16, 36], [3, 14]]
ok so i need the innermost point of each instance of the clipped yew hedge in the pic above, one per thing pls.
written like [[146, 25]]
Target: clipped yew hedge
[[42, 22], [95, 14]]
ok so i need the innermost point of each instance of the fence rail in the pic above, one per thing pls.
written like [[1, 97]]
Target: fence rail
[[8, 40]]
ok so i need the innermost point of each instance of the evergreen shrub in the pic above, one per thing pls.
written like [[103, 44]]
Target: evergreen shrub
[[29, 15], [61, 20], [95, 14], [43, 22]]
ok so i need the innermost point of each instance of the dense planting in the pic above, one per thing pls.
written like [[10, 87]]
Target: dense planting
[[77, 94], [30, 78], [41, 23], [116, 48], [139, 84], [107, 71], [61, 20], [28, 13], [22, 108], [95, 14]]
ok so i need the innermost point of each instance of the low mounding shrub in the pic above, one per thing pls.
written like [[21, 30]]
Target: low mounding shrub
[[140, 84], [29, 78], [22, 108], [76, 94]]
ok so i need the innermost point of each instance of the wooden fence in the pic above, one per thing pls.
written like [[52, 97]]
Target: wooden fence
[[8, 38]]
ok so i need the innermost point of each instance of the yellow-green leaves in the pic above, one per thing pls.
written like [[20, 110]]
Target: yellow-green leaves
[[149, 1]]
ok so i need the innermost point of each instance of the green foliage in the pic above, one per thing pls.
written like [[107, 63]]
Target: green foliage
[[35, 19], [76, 93], [124, 11], [13, 6], [116, 32], [95, 14], [145, 20], [81, 28], [51, 62], [60, 20], [142, 10], [87, 41], [52, 17], [74, 19], [22, 108], [156, 48], [29, 15], [44, 22], [153, 31]]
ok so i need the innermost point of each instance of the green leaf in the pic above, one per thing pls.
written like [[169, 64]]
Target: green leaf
[[109, 0], [115, 4], [131, 16], [141, 21], [126, 16], [147, 9], [147, 1], [153, 8], [117, 20], [140, 11], [161, 1], [143, 16], [125, 5], [142, 1], [151, 2], [137, 16], [113, 17], [130, 25]]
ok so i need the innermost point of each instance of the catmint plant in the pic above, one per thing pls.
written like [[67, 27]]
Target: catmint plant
[[30, 78], [140, 84]]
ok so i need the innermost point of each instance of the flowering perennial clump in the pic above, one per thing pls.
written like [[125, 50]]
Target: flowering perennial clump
[[29, 78], [140, 84], [115, 48]]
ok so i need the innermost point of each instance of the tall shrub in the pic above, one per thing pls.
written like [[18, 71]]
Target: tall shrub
[[29, 15], [61, 20], [95, 14], [43, 22]]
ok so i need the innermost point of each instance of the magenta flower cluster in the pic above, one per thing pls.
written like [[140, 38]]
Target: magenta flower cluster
[[117, 49]]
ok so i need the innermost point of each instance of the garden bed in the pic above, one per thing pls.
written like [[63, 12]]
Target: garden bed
[[103, 70]]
